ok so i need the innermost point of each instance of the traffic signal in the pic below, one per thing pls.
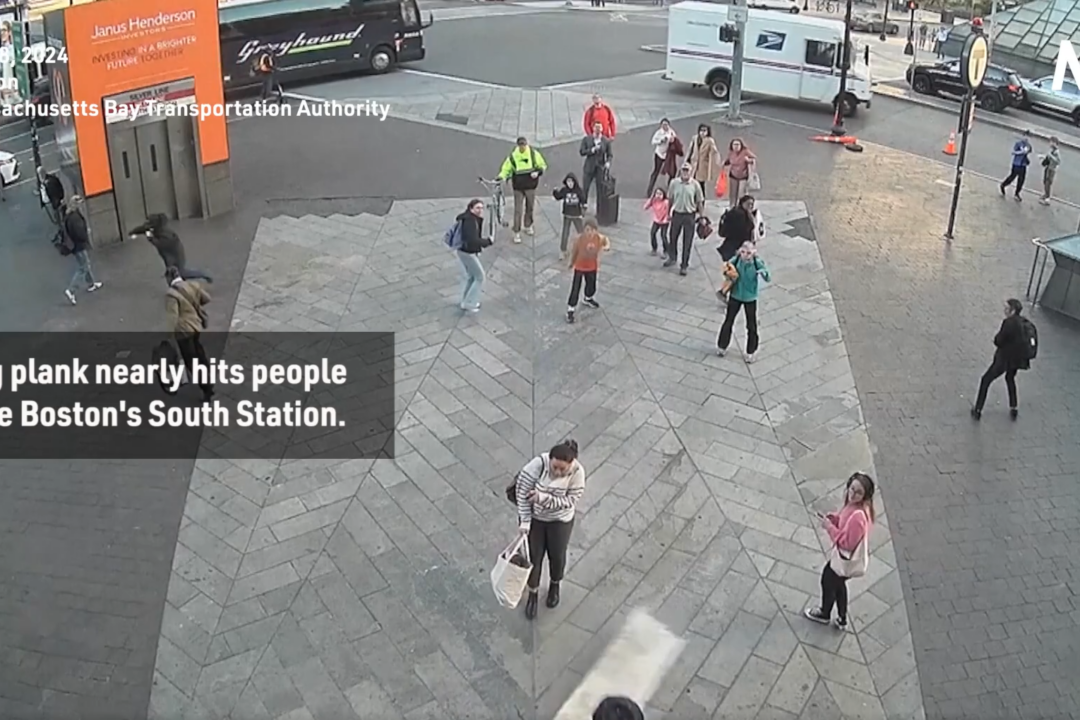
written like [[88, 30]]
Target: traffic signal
[[912, 5], [729, 34]]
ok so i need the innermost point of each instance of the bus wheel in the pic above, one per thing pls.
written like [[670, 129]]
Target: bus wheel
[[382, 59], [719, 85]]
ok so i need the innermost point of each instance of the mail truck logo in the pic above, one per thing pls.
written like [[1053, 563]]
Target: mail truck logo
[[771, 41]]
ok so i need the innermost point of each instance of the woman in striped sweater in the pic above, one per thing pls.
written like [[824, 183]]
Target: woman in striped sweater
[[548, 489]]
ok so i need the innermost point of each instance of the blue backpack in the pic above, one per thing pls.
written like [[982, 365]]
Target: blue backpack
[[453, 236]]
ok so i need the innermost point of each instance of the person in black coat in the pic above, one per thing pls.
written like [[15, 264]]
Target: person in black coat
[[54, 189], [77, 245], [736, 228], [168, 246], [472, 242], [596, 149], [1010, 355], [618, 708]]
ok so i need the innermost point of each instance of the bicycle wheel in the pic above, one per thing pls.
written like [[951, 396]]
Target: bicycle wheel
[[500, 209]]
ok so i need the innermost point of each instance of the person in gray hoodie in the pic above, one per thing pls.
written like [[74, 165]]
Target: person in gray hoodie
[[596, 149]]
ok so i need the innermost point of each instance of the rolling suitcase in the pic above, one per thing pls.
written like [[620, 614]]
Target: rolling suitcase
[[607, 202]]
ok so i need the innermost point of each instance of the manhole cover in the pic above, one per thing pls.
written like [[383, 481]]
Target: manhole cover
[[451, 118]]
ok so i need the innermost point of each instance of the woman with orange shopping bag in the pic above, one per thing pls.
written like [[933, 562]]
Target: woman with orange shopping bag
[[721, 185], [739, 165]]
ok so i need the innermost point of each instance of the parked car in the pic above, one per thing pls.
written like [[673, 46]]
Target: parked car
[[788, 6], [874, 23], [1040, 95], [1001, 88], [9, 169]]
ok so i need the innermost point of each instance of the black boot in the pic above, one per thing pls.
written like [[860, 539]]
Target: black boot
[[976, 413], [553, 595], [1014, 413], [531, 603]]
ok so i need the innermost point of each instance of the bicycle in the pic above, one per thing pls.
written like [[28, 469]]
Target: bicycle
[[498, 203]]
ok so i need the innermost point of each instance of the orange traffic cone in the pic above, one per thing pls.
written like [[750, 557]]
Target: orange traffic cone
[[950, 147]]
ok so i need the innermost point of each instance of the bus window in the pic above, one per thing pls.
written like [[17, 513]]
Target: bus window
[[820, 54], [410, 13]]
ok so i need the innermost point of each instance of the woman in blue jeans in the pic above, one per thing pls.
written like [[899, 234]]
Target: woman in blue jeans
[[473, 243]]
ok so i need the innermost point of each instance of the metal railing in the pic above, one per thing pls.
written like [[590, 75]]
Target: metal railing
[[1042, 252]]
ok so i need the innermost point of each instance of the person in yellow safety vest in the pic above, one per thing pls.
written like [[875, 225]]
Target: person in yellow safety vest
[[523, 168]]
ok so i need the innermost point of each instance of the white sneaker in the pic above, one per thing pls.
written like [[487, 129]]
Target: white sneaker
[[517, 237], [720, 353], [93, 287], [70, 296], [751, 357], [529, 231]]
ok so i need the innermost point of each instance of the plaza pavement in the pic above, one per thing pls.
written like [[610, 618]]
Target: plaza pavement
[[359, 589]]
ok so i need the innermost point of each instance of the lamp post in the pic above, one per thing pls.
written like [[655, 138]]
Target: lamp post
[[885, 22], [974, 59], [909, 49], [838, 120]]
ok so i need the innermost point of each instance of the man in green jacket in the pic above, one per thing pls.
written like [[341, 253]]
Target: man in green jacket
[[523, 168]]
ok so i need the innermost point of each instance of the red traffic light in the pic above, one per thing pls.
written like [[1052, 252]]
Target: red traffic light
[[912, 5]]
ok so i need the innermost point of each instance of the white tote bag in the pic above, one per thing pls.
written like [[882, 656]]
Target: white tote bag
[[753, 181], [509, 580], [855, 563]]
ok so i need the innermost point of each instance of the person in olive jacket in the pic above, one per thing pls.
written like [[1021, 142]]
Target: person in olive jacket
[[472, 244], [1010, 355], [184, 306]]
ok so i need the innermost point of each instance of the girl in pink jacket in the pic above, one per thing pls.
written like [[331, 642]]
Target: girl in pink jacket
[[849, 531], [661, 211]]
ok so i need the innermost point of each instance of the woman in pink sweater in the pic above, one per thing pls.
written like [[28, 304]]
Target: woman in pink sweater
[[738, 164], [849, 531]]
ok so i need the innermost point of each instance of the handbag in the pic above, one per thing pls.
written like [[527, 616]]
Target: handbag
[[855, 563], [753, 181], [511, 489], [721, 184], [510, 575]]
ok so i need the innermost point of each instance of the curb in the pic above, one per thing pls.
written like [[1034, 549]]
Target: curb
[[993, 119]]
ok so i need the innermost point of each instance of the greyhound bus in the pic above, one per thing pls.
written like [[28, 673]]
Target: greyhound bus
[[314, 39]]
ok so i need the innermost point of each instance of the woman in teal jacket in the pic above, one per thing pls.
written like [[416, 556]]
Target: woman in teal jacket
[[744, 294]]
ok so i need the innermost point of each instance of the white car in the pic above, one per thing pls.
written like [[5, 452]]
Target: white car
[[789, 6], [9, 169]]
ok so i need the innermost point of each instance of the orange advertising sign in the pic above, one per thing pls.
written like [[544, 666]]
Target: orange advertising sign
[[115, 47]]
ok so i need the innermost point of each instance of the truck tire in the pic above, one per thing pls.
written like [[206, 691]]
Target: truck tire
[[1076, 116], [382, 59], [848, 103], [719, 84]]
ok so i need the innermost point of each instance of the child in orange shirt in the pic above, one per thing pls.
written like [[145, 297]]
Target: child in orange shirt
[[585, 260]]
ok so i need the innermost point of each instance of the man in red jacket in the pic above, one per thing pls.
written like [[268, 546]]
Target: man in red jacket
[[600, 112]]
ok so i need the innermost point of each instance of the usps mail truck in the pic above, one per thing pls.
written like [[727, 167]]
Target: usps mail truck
[[797, 57]]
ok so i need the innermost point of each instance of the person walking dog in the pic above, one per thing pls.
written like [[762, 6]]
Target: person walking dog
[[849, 531]]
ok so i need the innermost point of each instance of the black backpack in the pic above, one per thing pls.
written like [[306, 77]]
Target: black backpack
[[1030, 335]]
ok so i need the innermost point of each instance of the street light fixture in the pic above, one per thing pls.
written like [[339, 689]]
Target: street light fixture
[[909, 49]]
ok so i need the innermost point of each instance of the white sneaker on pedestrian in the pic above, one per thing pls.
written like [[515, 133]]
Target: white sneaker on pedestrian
[[1044, 201], [517, 237], [529, 231], [70, 296], [93, 287], [751, 357], [720, 352]]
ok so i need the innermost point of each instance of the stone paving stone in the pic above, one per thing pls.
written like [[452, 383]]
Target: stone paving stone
[[342, 588]]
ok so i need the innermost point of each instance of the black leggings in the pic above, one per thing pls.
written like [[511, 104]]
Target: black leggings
[[733, 307], [1019, 174], [589, 276], [833, 592], [996, 370], [551, 539], [662, 231], [658, 165]]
